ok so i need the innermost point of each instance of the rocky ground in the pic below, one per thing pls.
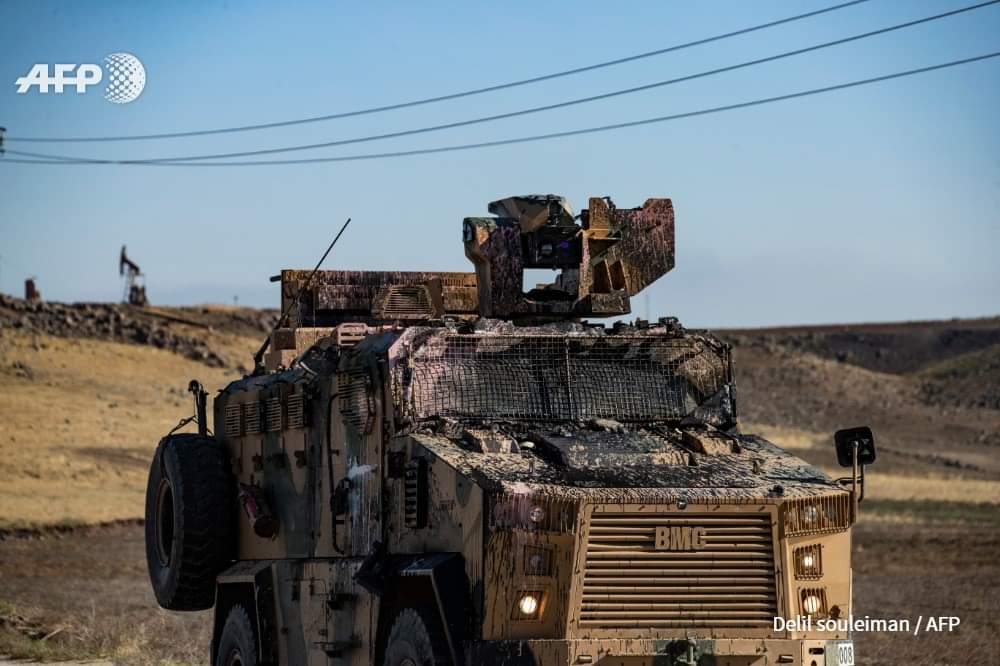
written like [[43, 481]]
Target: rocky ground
[[179, 330]]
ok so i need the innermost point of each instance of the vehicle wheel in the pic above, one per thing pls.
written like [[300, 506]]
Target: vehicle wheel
[[237, 646], [190, 531], [416, 639]]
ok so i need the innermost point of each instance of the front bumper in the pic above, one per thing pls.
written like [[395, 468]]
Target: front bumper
[[648, 652]]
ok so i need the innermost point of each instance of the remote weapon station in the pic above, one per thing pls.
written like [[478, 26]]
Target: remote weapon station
[[433, 468]]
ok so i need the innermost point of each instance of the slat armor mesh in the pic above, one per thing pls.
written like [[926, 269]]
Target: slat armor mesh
[[559, 377]]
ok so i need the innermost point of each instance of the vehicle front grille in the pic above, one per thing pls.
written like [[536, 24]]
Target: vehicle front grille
[[648, 570]]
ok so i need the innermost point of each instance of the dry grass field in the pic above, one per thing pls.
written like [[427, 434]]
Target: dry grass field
[[79, 420], [883, 484], [85, 594], [80, 417]]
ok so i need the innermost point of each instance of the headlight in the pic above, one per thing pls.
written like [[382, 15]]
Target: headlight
[[813, 601], [529, 604], [817, 515], [537, 561], [808, 562], [525, 511]]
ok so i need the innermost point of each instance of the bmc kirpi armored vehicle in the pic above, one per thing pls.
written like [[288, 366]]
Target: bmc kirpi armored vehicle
[[432, 468]]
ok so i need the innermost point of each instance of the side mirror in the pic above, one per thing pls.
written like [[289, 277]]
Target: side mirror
[[845, 441]]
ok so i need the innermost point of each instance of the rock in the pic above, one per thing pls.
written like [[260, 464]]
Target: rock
[[607, 425], [23, 370]]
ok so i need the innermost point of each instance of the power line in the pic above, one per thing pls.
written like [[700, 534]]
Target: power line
[[14, 160], [537, 109], [537, 137], [450, 96]]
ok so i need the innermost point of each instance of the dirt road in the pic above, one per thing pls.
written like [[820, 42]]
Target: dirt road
[[93, 583]]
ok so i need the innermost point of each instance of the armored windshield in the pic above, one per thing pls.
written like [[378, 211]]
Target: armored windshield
[[565, 377]]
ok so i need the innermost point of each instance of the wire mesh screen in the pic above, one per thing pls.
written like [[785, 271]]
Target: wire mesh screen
[[555, 378]]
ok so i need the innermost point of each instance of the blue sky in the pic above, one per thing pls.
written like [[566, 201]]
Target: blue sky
[[876, 203]]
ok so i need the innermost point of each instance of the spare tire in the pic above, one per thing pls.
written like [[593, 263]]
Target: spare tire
[[190, 530]]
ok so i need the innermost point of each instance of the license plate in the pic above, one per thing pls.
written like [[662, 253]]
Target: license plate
[[845, 654]]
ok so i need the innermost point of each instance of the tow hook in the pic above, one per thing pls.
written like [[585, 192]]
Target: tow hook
[[686, 653]]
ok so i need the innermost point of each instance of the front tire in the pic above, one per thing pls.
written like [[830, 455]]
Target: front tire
[[190, 522], [237, 646], [416, 640]]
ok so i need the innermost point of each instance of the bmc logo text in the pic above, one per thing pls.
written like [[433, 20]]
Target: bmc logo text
[[126, 78], [678, 537]]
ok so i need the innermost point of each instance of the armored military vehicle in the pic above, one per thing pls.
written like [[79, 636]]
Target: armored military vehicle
[[431, 468]]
